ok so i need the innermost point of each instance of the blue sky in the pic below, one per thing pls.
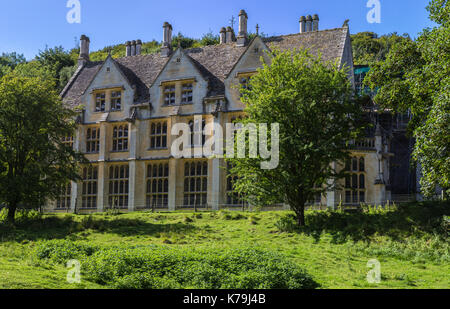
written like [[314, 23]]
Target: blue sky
[[27, 26]]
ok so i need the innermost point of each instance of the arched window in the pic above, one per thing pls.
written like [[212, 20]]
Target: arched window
[[118, 186], [196, 184], [157, 186], [197, 132], [362, 165], [355, 181], [64, 201], [362, 181], [90, 188], [354, 164]]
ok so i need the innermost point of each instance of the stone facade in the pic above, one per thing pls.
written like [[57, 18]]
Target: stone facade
[[130, 105]]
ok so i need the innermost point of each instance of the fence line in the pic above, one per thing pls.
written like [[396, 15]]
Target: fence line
[[162, 206]]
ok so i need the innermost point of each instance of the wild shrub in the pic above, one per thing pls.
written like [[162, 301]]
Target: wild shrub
[[23, 216], [225, 215], [287, 224], [416, 219], [156, 267], [61, 251], [433, 248]]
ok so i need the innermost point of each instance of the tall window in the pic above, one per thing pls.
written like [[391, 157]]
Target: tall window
[[158, 135], [197, 131], [169, 95], [64, 199], [90, 188], [116, 101], [120, 138], [100, 102], [93, 140], [158, 186], [118, 186], [187, 94], [196, 184], [233, 198], [355, 181], [68, 141]]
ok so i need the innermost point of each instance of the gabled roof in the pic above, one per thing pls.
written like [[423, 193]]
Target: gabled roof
[[215, 62]]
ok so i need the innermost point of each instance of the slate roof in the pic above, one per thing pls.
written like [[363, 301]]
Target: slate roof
[[214, 62], [330, 43]]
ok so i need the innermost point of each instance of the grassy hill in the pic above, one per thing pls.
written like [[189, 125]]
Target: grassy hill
[[201, 250]]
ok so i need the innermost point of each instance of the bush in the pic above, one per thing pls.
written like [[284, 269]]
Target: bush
[[287, 224], [434, 249], [417, 219], [23, 216], [61, 251], [156, 267]]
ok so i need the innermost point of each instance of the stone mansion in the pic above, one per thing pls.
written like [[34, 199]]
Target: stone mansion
[[130, 104]]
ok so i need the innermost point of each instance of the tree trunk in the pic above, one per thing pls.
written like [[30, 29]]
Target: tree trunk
[[12, 213], [301, 216]]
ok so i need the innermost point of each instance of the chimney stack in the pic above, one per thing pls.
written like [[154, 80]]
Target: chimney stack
[[84, 50], [128, 49], [230, 35], [302, 24], [315, 23], [133, 48], [223, 35], [138, 47], [242, 36], [166, 49], [308, 23]]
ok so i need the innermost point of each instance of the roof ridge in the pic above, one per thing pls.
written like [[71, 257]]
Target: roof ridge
[[304, 33]]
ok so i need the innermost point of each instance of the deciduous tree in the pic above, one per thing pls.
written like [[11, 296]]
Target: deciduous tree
[[34, 162], [313, 103]]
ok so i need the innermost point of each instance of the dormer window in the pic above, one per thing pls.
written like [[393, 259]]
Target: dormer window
[[100, 102], [169, 95], [187, 94], [116, 101]]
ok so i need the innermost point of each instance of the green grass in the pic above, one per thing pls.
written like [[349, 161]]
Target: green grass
[[334, 250]]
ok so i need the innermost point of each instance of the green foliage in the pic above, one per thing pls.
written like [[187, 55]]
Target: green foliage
[[369, 48], [8, 62], [183, 41], [412, 257], [313, 103], [413, 232], [416, 76], [34, 161], [66, 74], [61, 251], [55, 59], [155, 267], [209, 39], [35, 69], [396, 222]]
